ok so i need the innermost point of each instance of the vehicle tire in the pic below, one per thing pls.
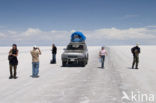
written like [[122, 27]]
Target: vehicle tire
[[63, 64], [86, 61], [83, 64]]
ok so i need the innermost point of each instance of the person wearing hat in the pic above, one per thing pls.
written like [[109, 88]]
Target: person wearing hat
[[135, 51], [102, 55], [13, 61], [35, 61]]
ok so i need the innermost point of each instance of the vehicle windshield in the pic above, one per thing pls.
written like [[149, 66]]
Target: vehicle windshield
[[75, 47]]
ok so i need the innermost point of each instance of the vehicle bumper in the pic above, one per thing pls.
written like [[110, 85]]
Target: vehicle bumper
[[76, 60]]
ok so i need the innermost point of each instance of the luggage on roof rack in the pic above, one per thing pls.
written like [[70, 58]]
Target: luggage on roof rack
[[78, 37]]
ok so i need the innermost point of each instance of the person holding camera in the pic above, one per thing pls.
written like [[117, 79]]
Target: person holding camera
[[13, 61], [35, 61], [135, 51]]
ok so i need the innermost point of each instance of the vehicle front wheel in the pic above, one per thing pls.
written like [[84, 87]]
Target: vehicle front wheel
[[63, 63], [83, 64], [86, 61]]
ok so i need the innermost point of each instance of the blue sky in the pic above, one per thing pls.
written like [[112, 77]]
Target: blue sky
[[20, 16]]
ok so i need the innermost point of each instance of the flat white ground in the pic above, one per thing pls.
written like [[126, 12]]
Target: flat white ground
[[90, 84]]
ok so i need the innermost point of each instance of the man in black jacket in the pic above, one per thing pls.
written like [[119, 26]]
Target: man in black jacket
[[54, 52], [135, 51]]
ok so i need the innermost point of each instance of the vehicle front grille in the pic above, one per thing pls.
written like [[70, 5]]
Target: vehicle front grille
[[71, 56]]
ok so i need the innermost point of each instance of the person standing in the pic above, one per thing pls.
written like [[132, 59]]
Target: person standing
[[13, 61], [135, 51], [102, 55], [54, 52], [35, 61]]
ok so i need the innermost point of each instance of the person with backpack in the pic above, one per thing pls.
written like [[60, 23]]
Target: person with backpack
[[135, 51], [35, 61], [54, 52], [13, 61], [102, 55]]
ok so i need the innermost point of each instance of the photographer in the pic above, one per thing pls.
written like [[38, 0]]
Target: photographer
[[135, 51], [35, 61]]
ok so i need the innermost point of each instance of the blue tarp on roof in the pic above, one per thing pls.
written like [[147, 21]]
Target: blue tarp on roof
[[78, 37]]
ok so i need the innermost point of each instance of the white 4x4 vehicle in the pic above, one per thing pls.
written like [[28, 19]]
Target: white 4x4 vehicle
[[76, 52]]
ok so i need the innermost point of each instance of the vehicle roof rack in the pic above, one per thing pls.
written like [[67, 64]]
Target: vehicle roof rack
[[77, 42]]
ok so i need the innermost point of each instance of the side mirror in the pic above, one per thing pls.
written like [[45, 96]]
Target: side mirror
[[64, 49]]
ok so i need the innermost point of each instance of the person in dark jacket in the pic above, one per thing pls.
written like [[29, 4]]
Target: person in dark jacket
[[13, 61], [54, 52], [135, 51]]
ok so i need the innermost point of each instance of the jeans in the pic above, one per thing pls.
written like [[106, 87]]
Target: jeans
[[54, 58], [102, 61], [35, 68]]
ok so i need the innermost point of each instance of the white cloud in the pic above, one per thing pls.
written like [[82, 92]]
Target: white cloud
[[2, 35], [152, 26], [105, 33], [53, 31], [12, 32], [34, 34], [72, 31], [122, 34], [31, 32]]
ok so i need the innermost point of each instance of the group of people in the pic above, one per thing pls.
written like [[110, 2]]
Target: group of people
[[13, 61], [135, 51]]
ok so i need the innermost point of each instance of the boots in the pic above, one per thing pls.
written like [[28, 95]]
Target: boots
[[136, 66], [11, 77], [133, 65]]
